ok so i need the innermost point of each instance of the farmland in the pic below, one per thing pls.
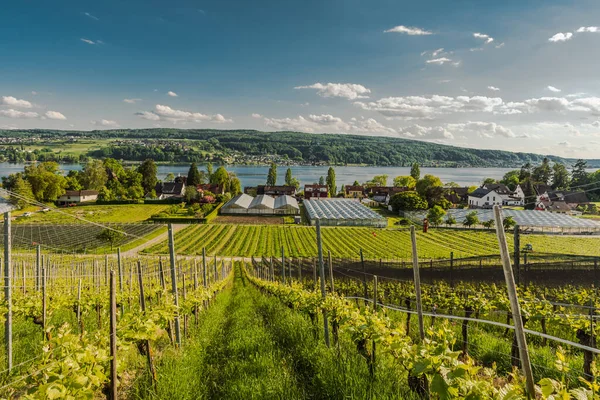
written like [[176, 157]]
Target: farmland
[[251, 240], [119, 213]]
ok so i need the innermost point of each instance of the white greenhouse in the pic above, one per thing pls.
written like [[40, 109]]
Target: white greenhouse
[[342, 212]]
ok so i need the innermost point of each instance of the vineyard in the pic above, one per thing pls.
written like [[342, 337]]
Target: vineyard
[[345, 242], [79, 238]]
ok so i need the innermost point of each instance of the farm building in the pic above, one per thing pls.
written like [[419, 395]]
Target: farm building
[[342, 212], [77, 196], [261, 205]]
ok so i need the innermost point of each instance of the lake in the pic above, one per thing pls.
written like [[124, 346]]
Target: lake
[[251, 175]]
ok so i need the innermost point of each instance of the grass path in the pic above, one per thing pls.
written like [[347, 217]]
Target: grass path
[[251, 346]]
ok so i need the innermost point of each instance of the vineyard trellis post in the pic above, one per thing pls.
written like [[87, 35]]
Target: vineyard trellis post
[[272, 270], [113, 336], [216, 274], [451, 269], [373, 359], [174, 284], [120, 270], [417, 279], [283, 265], [38, 262], [362, 261], [204, 266], [8, 290], [322, 276], [514, 302], [517, 246], [331, 272], [143, 309]]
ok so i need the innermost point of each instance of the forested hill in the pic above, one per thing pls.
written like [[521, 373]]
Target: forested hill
[[298, 146]]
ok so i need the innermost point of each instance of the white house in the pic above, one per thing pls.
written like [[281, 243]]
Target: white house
[[77, 196], [490, 195]]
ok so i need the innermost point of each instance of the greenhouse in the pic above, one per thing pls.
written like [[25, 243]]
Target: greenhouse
[[342, 212], [261, 205], [530, 220]]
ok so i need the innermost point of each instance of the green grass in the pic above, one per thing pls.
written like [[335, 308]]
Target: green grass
[[119, 213], [345, 242], [250, 346]]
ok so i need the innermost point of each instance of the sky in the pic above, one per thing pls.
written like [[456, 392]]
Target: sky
[[509, 75]]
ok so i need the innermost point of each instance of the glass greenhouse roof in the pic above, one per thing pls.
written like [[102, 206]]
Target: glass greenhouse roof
[[339, 209]]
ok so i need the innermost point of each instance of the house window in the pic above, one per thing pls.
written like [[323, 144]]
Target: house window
[[494, 198], [488, 198]]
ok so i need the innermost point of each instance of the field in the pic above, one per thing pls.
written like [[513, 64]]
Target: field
[[79, 238], [346, 242], [119, 213]]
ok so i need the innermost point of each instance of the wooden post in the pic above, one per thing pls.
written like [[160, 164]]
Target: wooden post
[[185, 317], [315, 273], [300, 271], [272, 270], [113, 336], [417, 279], [514, 302], [332, 288], [451, 269], [120, 270], [282, 265], [38, 267], [143, 308], [44, 302], [216, 275], [204, 283], [106, 269], [517, 245], [8, 289], [79, 308], [24, 277], [196, 305], [373, 359], [174, 284], [362, 261], [322, 276]]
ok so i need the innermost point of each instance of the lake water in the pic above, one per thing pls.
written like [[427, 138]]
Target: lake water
[[257, 175]]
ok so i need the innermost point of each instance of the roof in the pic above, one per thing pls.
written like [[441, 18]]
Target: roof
[[81, 193], [568, 196], [558, 206], [498, 188], [479, 192], [541, 188], [263, 201], [264, 189], [354, 189], [210, 187], [169, 188], [239, 201], [460, 191], [315, 186], [286, 201], [339, 209]]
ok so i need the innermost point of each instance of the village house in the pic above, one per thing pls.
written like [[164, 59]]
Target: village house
[[276, 191], [457, 195], [354, 192], [489, 195], [315, 191], [213, 188], [77, 196], [383, 194], [167, 190]]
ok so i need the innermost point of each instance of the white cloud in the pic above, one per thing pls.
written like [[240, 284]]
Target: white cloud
[[493, 88], [328, 123], [578, 94], [423, 132], [162, 112], [486, 38], [412, 31], [348, 91], [476, 49], [105, 122], [34, 93], [256, 115], [11, 113], [588, 29], [561, 37], [54, 115], [14, 102], [420, 107], [554, 89], [131, 101], [172, 94], [483, 129], [435, 53], [88, 41], [87, 14], [499, 46], [439, 61]]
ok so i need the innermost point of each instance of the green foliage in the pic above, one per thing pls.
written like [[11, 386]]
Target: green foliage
[[194, 177], [378, 180], [22, 190], [436, 215], [415, 171], [508, 223], [272, 175], [46, 180], [560, 176], [408, 201], [290, 180], [331, 186], [450, 220], [148, 171], [543, 172], [111, 236], [405, 181], [471, 219], [511, 179], [94, 176]]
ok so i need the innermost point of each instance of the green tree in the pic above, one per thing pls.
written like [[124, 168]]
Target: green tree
[[191, 194], [290, 180], [471, 219], [542, 173], [489, 181], [579, 174], [235, 186], [321, 180], [530, 196], [94, 175], [74, 180], [148, 171], [407, 201], [450, 220], [511, 179], [111, 236], [378, 180], [221, 177], [22, 190], [209, 171], [193, 177], [489, 224], [331, 186], [272, 175], [525, 172], [560, 176], [47, 183], [356, 183], [431, 189], [170, 177], [508, 223], [415, 171], [436, 215]]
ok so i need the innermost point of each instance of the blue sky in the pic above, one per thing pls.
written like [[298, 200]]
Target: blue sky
[[512, 75]]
